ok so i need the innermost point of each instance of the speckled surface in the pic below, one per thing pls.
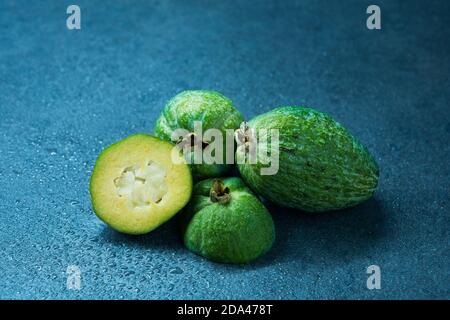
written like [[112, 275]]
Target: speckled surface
[[65, 95]]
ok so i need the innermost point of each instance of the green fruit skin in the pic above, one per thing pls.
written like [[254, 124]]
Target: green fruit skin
[[322, 166], [237, 232], [213, 109]]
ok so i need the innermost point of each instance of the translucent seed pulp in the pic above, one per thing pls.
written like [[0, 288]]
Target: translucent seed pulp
[[142, 186]]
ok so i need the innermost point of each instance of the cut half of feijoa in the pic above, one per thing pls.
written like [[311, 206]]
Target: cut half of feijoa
[[139, 183]]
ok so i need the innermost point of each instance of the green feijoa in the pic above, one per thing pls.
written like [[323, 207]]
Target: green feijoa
[[321, 165], [186, 111], [225, 222]]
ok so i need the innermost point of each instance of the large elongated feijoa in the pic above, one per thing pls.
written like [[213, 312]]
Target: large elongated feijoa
[[321, 165]]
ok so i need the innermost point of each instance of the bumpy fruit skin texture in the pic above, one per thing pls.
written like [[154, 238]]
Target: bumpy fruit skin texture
[[116, 211], [321, 165], [236, 232], [211, 108]]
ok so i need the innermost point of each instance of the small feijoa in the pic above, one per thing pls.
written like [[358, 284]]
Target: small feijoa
[[212, 110], [226, 222]]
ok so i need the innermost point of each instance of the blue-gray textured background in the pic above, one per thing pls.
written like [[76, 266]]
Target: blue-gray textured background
[[65, 95]]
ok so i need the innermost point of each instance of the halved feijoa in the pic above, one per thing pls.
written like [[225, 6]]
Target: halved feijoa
[[139, 183]]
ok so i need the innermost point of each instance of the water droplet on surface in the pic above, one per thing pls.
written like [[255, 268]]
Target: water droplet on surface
[[52, 151], [176, 270]]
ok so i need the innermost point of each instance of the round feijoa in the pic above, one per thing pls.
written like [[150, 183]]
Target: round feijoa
[[139, 183], [321, 165], [225, 222], [213, 111]]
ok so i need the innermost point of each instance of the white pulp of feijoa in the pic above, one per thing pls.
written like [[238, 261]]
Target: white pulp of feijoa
[[142, 186]]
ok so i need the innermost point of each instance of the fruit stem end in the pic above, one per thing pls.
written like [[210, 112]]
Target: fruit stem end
[[219, 193]]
